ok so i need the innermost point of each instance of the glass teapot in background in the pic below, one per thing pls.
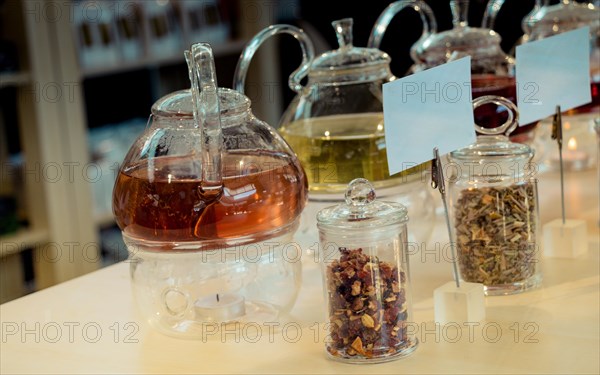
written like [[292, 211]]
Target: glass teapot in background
[[335, 122], [569, 15], [492, 69], [197, 196], [483, 45], [546, 20]]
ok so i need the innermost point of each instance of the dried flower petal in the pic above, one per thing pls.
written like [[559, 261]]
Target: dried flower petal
[[367, 321], [365, 307], [358, 345]]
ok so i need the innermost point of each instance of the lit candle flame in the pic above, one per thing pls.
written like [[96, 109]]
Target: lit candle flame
[[572, 144]]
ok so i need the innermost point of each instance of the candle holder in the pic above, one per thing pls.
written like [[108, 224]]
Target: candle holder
[[220, 307], [580, 148]]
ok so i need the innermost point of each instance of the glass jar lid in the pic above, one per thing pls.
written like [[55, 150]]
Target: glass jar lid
[[493, 146], [361, 210], [494, 143], [349, 63]]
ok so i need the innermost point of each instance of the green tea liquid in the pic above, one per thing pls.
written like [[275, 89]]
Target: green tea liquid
[[334, 150]]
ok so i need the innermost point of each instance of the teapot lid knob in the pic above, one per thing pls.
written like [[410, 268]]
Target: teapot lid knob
[[343, 31], [460, 12]]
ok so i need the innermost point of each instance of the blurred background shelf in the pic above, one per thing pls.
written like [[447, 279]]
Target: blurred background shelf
[[77, 92], [12, 271], [104, 219], [24, 238], [44, 131], [219, 50], [14, 79]]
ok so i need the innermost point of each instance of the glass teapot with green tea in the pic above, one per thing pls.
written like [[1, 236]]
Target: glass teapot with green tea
[[335, 122]]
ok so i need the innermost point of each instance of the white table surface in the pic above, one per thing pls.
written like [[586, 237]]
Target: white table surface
[[89, 324]]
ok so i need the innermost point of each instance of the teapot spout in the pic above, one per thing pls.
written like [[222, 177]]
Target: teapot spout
[[207, 115]]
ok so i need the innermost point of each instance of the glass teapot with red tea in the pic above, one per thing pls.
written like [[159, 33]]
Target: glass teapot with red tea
[[206, 199], [436, 48], [569, 15], [492, 70]]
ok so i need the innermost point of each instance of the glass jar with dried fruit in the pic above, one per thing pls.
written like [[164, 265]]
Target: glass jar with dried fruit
[[495, 208], [366, 277]]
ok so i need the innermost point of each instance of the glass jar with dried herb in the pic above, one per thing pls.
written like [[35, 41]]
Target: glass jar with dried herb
[[366, 277], [495, 208]]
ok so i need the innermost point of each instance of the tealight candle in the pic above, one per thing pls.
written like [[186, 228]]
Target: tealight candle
[[573, 159], [220, 307]]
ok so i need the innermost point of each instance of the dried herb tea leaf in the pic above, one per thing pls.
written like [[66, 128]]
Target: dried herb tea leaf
[[496, 234]]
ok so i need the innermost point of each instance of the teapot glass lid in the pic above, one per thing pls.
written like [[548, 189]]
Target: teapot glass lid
[[461, 39], [180, 104], [349, 63]]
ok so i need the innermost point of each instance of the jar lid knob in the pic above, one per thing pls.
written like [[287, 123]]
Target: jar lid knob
[[513, 115], [360, 193]]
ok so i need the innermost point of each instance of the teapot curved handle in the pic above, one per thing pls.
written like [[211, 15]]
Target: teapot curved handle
[[491, 12], [530, 18], [380, 27], [207, 113], [308, 54]]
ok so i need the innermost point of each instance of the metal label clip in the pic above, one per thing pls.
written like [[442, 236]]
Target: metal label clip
[[437, 175]]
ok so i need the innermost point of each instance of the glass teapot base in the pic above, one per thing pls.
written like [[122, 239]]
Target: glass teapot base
[[190, 294], [256, 313]]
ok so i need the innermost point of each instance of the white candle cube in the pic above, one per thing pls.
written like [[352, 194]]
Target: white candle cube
[[565, 241], [464, 304]]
